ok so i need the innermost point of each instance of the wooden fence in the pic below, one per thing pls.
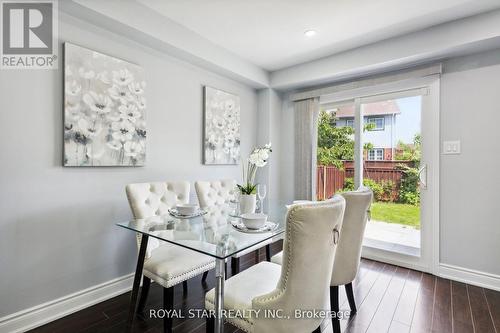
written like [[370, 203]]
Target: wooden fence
[[330, 179]]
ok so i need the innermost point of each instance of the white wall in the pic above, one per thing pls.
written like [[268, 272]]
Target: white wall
[[57, 232], [469, 199], [470, 182]]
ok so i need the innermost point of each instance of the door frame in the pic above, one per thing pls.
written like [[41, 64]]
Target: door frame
[[430, 85]]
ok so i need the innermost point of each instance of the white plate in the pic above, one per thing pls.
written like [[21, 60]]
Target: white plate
[[174, 213], [268, 226]]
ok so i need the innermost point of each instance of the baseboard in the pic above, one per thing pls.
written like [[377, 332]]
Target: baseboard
[[44, 313], [470, 276]]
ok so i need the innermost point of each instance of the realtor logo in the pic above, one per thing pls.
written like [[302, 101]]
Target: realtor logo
[[29, 35]]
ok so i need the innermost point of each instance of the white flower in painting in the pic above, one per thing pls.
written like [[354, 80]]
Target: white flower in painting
[[230, 116], [268, 145], [229, 105], [114, 115], [129, 112], [122, 130], [137, 87], [90, 74], [97, 102], [104, 77], [72, 112], [120, 93], [94, 153], [229, 141], [123, 77], [231, 128], [73, 89], [115, 145], [87, 129], [214, 140], [140, 101], [235, 153], [219, 122], [132, 148]]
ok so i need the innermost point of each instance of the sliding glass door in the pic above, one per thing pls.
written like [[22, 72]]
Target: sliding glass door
[[386, 138]]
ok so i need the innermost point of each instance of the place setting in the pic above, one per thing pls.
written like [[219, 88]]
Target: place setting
[[186, 211], [246, 219]]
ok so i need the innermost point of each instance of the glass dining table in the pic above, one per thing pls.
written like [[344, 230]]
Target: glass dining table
[[215, 233]]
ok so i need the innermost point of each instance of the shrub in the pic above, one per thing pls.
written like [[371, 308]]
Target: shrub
[[381, 191], [409, 191]]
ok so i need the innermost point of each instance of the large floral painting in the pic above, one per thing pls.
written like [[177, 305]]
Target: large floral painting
[[104, 110], [222, 127]]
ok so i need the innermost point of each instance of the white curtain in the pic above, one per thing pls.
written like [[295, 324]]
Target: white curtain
[[306, 145]]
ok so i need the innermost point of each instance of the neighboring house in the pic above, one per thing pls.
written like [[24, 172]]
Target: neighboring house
[[383, 117]]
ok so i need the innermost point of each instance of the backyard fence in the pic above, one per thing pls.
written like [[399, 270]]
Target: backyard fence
[[330, 179]]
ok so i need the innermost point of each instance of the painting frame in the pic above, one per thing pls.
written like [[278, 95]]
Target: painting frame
[[104, 110], [221, 127]]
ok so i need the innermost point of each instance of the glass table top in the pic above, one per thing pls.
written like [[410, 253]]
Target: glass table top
[[211, 234]]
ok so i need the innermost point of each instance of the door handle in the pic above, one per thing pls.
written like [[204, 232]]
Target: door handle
[[422, 176]]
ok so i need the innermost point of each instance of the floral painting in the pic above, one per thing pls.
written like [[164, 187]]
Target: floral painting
[[222, 127], [104, 110]]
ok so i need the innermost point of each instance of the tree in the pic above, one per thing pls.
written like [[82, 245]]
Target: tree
[[409, 152], [335, 144]]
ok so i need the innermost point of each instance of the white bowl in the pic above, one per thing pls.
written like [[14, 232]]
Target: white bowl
[[187, 209], [254, 220]]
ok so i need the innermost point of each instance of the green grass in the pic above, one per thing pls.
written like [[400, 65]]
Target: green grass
[[396, 213]]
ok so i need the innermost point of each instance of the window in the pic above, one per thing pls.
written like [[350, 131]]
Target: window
[[349, 123], [379, 123], [376, 154]]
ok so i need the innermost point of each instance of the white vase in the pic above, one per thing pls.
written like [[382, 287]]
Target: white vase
[[247, 203]]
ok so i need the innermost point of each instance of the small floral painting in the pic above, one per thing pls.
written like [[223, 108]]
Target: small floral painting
[[104, 110], [222, 127]]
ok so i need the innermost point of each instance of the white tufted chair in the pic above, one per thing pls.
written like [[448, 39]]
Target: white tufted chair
[[299, 284], [347, 258], [219, 192], [166, 264]]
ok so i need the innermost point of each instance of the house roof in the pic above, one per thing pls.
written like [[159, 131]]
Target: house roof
[[371, 109]]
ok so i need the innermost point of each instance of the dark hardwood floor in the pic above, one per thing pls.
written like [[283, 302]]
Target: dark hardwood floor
[[389, 299]]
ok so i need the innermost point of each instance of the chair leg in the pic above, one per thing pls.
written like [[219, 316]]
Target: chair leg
[[184, 286], [146, 283], [210, 324], [318, 330], [334, 304], [204, 277], [168, 305], [350, 297], [268, 252], [235, 266]]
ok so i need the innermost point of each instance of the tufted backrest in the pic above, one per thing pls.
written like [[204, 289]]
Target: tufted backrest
[[311, 232], [153, 199], [345, 266], [215, 192]]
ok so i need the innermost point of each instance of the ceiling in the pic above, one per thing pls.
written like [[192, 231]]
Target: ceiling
[[270, 33]]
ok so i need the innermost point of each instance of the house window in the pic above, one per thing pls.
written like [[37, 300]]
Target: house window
[[378, 123], [376, 154], [349, 123]]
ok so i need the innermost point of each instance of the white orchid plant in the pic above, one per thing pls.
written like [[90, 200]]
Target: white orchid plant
[[257, 159]]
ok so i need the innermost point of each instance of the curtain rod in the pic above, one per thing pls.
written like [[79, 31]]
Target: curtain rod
[[389, 77]]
